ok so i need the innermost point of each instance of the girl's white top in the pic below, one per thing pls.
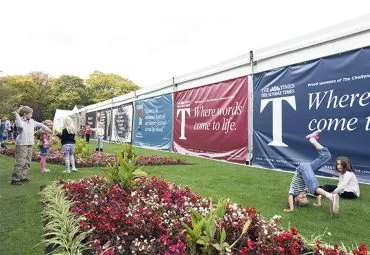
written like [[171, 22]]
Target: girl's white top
[[348, 182]]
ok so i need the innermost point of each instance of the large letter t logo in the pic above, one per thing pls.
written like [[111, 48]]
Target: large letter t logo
[[277, 117], [182, 111]]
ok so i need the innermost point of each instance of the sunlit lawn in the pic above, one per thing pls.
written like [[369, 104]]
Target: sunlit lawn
[[20, 221]]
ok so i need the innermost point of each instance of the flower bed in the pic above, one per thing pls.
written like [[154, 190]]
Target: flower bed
[[151, 219], [96, 158], [156, 161]]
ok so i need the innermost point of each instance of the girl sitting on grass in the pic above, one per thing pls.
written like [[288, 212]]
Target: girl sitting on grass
[[347, 187]]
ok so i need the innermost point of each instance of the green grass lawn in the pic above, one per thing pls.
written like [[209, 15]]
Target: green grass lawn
[[20, 220]]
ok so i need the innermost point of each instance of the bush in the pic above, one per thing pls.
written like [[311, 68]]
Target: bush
[[128, 152], [124, 171], [81, 148]]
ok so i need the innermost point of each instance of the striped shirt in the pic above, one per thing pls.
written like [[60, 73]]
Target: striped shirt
[[297, 185]]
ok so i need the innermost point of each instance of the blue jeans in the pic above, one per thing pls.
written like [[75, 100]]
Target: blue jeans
[[99, 142], [307, 169]]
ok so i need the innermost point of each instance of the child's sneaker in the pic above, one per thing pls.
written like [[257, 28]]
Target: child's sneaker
[[74, 170], [45, 170], [66, 171], [314, 135], [335, 203]]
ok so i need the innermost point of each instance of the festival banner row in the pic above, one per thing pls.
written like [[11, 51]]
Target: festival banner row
[[330, 94], [210, 121]]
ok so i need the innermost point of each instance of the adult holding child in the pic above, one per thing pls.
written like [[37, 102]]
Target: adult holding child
[[24, 143]]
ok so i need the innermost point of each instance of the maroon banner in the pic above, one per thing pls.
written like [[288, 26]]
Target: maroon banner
[[212, 121]]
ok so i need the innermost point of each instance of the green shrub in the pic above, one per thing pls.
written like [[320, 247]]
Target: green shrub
[[81, 148], [204, 231], [57, 144], [128, 152], [125, 170]]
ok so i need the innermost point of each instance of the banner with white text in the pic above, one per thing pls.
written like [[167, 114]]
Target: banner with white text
[[331, 94], [122, 123], [212, 121], [153, 122]]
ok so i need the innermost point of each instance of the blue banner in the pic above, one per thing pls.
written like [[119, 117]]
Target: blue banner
[[153, 122], [330, 94]]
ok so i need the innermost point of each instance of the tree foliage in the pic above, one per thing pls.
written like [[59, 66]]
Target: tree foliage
[[102, 86], [23, 90], [45, 93]]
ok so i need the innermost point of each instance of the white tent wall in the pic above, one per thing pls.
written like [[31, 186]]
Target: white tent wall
[[343, 37], [110, 103], [79, 119], [346, 36], [162, 88], [340, 38], [58, 118], [233, 68], [350, 35]]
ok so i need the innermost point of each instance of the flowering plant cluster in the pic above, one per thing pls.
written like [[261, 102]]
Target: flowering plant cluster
[[144, 220], [320, 248], [148, 218], [57, 157], [156, 161], [95, 158]]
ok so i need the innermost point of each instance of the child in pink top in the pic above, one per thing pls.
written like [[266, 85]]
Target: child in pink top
[[45, 144]]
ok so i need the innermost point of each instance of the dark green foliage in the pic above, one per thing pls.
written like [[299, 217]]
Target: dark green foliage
[[128, 152], [45, 93]]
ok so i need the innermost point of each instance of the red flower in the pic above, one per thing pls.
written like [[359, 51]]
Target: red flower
[[294, 231]]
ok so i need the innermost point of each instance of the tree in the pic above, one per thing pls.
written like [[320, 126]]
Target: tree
[[30, 89], [43, 86], [101, 86], [45, 94], [66, 92], [9, 97]]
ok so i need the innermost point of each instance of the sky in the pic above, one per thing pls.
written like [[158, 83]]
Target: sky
[[152, 41]]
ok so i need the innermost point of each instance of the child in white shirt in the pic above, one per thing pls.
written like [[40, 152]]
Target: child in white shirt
[[348, 184]]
